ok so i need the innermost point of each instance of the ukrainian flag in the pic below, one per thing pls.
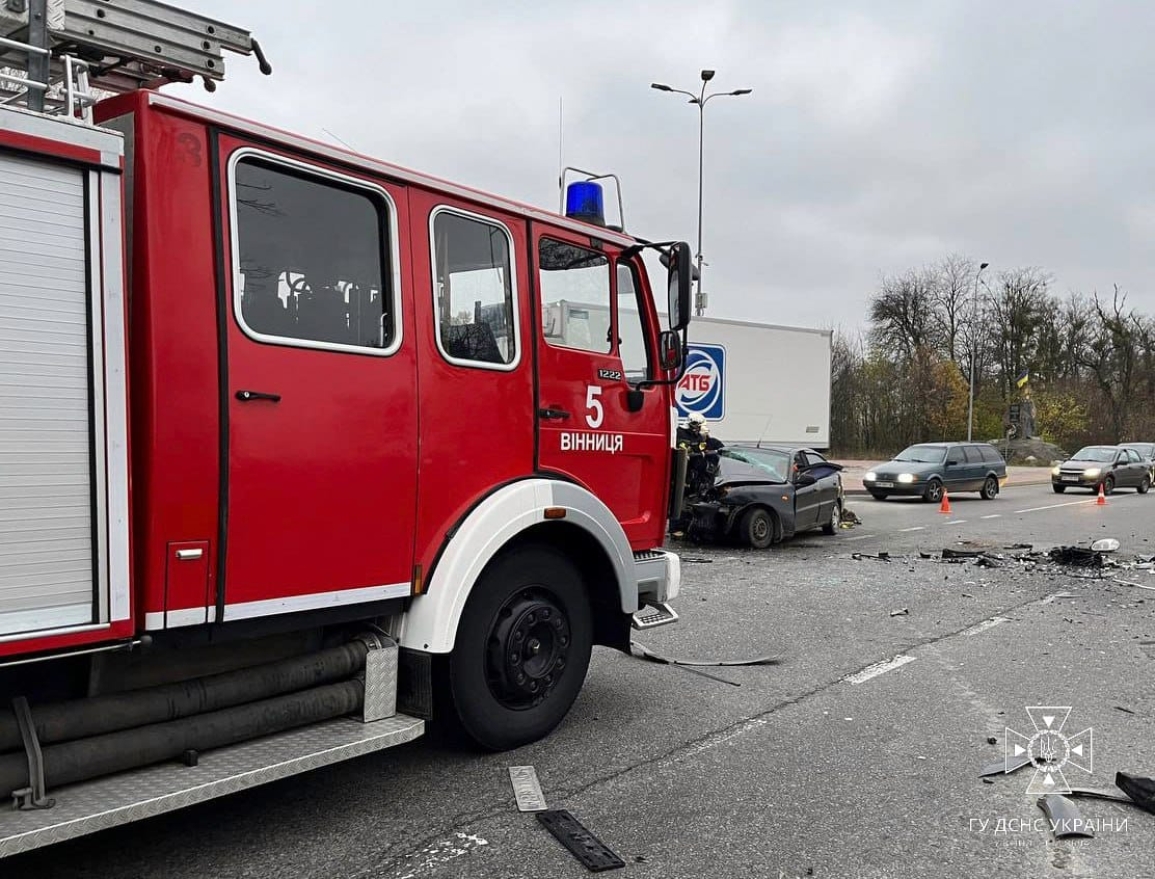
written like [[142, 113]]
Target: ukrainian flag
[[1023, 378]]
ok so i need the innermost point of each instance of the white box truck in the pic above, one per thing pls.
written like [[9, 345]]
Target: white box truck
[[758, 382], [753, 382]]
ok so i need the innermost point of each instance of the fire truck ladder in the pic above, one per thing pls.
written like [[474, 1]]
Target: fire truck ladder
[[54, 53]]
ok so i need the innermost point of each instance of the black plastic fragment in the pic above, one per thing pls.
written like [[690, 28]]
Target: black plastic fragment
[[647, 653], [1095, 794], [1066, 822], [1141, 790], [584, 846], [1076, 556], [1003, 767], [949, 553]]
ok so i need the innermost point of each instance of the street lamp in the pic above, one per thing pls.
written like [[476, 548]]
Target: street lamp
[[700, 99], [974, 352]]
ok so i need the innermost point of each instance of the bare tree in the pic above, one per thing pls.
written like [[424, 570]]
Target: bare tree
[[1113, 357], [1017, 310], [954, 298], [903, 314]]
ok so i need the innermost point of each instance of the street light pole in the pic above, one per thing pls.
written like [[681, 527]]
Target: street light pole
[[700, 99], [974, 352], [699, 303]]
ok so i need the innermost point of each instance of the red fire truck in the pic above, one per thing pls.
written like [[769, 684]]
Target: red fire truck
[[290, 459]]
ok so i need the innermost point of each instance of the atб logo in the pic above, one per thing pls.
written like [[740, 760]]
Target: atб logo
[[701, 389]]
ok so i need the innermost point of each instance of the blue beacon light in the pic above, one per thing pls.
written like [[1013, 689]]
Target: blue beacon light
[[584, 201]]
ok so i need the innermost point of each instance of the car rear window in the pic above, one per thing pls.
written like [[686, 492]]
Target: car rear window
[[974, 454], [990, 453]]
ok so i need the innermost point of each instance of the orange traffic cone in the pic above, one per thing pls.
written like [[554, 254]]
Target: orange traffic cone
[[944, 507], [1101, 500]]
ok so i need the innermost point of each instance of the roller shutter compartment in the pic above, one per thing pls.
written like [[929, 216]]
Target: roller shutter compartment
[[47, 523]]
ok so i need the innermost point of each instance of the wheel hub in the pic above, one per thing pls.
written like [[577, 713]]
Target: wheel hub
[[527, 649]]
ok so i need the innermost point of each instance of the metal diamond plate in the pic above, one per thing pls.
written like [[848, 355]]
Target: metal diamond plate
[[108, 802], [381, 681]]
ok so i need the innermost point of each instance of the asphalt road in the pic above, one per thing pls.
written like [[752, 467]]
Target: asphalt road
[[826, 764]]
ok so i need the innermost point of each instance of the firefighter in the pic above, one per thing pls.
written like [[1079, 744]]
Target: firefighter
[[702, 449], [695, 436]]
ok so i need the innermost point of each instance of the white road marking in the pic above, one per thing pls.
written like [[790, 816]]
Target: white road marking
[[955, 522], [994, 516], [905, 530], [861, 537], [715, 739], [1056, 506], [879, 668], [984, 625]]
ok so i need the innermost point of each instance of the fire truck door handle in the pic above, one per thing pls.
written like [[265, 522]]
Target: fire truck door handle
[[559, 414], [246, 396]]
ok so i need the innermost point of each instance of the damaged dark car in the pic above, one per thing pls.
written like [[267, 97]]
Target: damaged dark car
[[764, 495]]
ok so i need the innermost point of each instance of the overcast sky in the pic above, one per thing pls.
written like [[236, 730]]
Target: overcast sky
[[878, 137]]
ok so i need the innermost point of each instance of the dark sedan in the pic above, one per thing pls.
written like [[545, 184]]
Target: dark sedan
[[766, 494], [1109, 467]]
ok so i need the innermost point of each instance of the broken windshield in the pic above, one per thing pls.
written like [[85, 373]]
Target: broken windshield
[[772, 461]]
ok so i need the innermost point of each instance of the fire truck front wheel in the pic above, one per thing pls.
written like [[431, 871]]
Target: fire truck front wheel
[[522, 649]]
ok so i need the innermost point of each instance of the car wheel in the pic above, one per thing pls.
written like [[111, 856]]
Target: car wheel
[[522, 650], [932, 494], [758, 528], [990, 489], [879, 495], [1109, 485], [1145, 485], [831, 527], [1058, 489]]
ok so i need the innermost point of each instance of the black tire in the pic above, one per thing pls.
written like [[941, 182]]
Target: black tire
[[832, 526], [879, 495], [990, 489], [1058, 489], [932, 494], [1109, 485], [1145, 485], [757, 529], [532, 597]]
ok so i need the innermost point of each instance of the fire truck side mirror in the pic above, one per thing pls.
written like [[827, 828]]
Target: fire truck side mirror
[[670, 350], [681, 269]]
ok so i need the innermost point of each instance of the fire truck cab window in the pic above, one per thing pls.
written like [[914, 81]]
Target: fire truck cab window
[[312, 259], [473, 291], [631, 340], [575, 296]]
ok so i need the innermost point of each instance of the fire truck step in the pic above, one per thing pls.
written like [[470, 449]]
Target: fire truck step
[[103, 803], [651, 616]]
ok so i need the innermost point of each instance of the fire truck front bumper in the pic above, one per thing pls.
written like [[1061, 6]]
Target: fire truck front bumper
[[659, 577]]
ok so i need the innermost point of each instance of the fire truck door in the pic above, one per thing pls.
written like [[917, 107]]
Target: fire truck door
[[322, 411], [591, 347]]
